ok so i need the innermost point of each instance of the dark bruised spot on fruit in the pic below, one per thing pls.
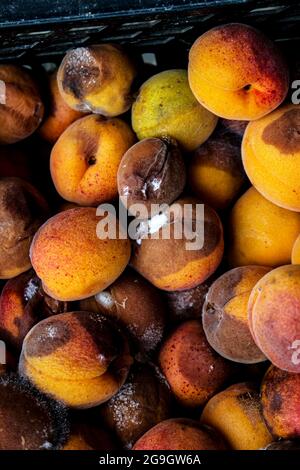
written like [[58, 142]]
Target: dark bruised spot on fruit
[[48, 337], [284, 132], [80, 84]]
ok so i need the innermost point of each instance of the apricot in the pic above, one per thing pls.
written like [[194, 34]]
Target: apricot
[[192, 368], [236, 72], [225, 315], [22, 211], [274, 316], [165, 106], [80, 358], [280, 398], [97, 79], [58, 115], [216, 172], [29, 420], [151, 172], [143, 401], [187, 304], [21, 107], [85, 159], [179, 434], [71, 260], [22, 304], [260, 232], [271, 152], [173, 262], [136, 305], [236, 414], [85, 435]]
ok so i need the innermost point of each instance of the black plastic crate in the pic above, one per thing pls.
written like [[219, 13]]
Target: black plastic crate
[[43, 30]]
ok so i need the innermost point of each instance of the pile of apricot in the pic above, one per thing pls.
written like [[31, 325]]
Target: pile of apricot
[[137, 340]]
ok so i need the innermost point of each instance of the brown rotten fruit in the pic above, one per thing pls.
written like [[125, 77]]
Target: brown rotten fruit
[[143, 401], [22, 211], [151, 172], [136, 305], [21, 107]]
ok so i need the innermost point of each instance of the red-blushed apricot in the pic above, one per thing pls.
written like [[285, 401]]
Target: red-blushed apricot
[[22, 304], [71, 260], [85, 435], [194, 371], [225, 315], [152, 171], [97, 79], [236, 414], [295, 258], [165, 106], [280, 398], [180, 434], [236, 72], [30, 420], [22, 211], [21, 107], [260, 232], [187, 304], [85, 159], [216, 173], [184, 248], [271, 152], [136, 305], [79, 358], [143, 401], [59, 115], [274, 316]]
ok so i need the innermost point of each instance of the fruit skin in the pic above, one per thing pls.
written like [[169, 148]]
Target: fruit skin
[[233, 85], [216, 173], [187, 304], [167, 263], [280, 398], [85, 159], [260, 232], [79, 358], [235, 413], [21, 107], [165, 106], [142, 402], [152, 171], [179, 434], [137, 306], [225, 315], [274, 316], [97, 79], [70, 259], [30, 420], [22, 304], [271, 155], [22, 210], [58, 115], [192, 368]]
